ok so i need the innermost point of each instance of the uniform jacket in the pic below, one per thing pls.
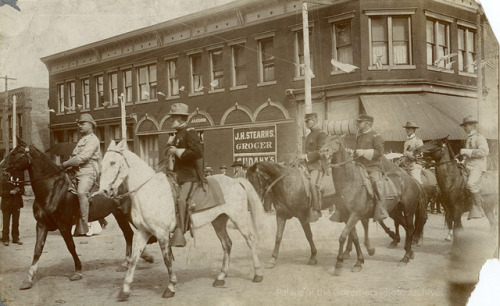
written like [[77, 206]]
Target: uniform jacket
[[10, 201], [480, 150], [371, 140], [87, 156], [411, 143], [314, 141], [186, 166]]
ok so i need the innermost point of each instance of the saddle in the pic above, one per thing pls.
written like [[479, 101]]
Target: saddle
[[391, 191], [205, 196]]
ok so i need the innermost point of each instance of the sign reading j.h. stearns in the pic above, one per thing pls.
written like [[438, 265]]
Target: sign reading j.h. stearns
[[254, 140]]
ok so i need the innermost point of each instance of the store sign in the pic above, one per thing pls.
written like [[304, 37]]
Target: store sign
[[254, 144], [199, 121]]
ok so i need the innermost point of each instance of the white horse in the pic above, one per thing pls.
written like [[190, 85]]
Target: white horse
[[153, 211]]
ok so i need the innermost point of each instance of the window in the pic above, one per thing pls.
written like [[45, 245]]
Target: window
[[71, 95], [342, 43], [99, 90], [85, 94], [438, 43], [127, 84], [238, 65], [216, 69], [173, 80], [116, 135], [466, 50], [299, 53], [113, 88], [390, 41], [19, 126], [73, 136], [196, 72], [147, 82], [60, 98], [266, 60]]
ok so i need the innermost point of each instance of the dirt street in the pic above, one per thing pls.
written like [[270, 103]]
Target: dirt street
[[291, 282]]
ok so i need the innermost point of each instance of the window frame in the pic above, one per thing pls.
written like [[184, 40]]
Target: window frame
[[85, 85], [152, 90], [260, 64], [299, 50], [71, 95], [437, 20], [99, 92], [113, 91], [192, 90], [61, 103], [468, 28], [334, 21], [129, 97], [235, 67], [220, 86], [170, 84]]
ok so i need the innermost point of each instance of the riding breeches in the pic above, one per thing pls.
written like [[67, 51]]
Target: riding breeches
[[416, 173], [378, 184], [315, 189], [85, 183], [474, 178], [182, 198]]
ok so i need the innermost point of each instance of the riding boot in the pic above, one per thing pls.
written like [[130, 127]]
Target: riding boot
[[336, 216], [476, 211], [315, 211], [178, 239], [380, 212]]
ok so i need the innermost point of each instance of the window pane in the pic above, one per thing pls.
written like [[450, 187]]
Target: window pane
[[470, 41], [441, 34], [380, 54], [345, 55], [343, 34], [267, 50], [430, 31], [143, 75], [152, 73], [430, 50], [400, 29], [461, 35], [379, 29]]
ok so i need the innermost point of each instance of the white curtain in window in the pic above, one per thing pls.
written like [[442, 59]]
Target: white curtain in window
[[400, 52], [380, 54], [345, 55]]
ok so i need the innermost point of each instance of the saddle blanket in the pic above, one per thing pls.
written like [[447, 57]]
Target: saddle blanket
[[429, 177], [208, 197]]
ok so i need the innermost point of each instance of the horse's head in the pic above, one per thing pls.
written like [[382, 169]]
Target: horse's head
[[333, 144], [114, 169], [433, 149], [18, 159], [262, 174]]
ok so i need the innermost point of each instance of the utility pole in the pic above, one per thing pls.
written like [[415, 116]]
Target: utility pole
[[123, 116], [14, 121], [307, 59], [5, 118]]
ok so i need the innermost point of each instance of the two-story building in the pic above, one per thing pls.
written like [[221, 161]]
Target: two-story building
[[240, 68]]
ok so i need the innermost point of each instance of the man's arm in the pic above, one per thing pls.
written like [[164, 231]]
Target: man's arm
[[91, 145], [194, 148], [320, 142]]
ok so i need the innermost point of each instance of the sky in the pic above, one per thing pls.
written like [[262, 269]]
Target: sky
[[45, 27]]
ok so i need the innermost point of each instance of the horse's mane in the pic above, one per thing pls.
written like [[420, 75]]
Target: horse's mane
[[342, 155], [47, 164]]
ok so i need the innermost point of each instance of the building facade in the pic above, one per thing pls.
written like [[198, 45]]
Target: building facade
[[32, 117], [240, 69]]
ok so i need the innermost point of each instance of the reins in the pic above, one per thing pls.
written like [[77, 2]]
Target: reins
[[274, 183]]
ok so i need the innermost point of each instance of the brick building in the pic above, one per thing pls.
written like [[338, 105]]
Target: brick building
[[239, 68]]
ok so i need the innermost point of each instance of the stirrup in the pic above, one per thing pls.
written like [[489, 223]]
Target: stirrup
[[475, 213]]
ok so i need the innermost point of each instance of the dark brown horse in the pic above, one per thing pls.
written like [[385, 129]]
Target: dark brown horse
[[354, 200], [289, 198], [454, 195], [55, 207]]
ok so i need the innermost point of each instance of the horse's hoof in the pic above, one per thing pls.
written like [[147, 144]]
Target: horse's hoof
[[270, 264], [403, 262], [123, 296], [148, 258], [312, 262], [218, 283], [258, 278], [168, 293], [356, 269], [448, 238], [346, 256], [393, 245], [338, 265], [26, 285], [76, 276], [412, 255], [121, 269], [371, 251], [337, 271]]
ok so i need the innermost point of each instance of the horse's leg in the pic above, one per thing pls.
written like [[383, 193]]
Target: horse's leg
[[391, 234], [219, 225], [128, 234], [449, 224], [353, 235], [410, 229], [353, 219], [489, 211], [348, 248], [167, 259], [138, 246], [307, 230], [41, 236], [369, 248], [280, 222], [65, 231]]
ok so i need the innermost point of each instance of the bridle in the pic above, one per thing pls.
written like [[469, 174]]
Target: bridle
[[26, 153], [441, 148]]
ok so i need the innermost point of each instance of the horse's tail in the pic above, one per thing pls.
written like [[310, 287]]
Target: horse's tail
[[420, 214], [254, 204]]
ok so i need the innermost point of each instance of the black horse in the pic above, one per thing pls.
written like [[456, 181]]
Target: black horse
[[56, 208]]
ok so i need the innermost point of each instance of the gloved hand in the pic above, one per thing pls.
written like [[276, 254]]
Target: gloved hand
[[302, 157], [466, 152], [15, 191], [358, 153]]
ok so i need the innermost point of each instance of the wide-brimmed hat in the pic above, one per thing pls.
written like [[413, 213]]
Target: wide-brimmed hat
[[468, 120], [179, 109], [237, 163], [365, 117], [311, 116], [223, 167], [86, 118], [410, 125], [208, 169]]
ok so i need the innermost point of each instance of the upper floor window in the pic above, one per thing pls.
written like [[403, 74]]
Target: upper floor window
[[85, 94], [147, 82], [196, 72], [60, 98], [390, 41], [113, 88], [299, 53], [71, 95], [216, 69], [238, 61], [342, 43], [266, 60], [466, 50], [173, 80], [438, 43], [127, 84], [99, 90]]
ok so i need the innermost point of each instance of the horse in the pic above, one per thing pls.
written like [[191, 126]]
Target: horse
[[153, 212], [287, 187], [355, 203], [56, 208], [454, 194]]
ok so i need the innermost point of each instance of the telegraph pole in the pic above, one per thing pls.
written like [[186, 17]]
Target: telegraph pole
[[14, 121], [307, 58], [5, 118], [123, 116]]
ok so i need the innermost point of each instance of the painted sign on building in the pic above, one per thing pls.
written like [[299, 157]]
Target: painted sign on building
[[254, 144]]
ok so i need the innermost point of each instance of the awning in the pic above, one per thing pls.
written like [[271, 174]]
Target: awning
[[437, 115]]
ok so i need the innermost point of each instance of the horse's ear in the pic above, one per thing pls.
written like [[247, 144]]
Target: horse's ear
[[122, 145], [112, 145], [20, 141]]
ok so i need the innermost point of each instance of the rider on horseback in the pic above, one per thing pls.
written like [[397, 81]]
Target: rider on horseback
[[87, 158], [187, 149], [314, 141], [475, 152], [409, 160]]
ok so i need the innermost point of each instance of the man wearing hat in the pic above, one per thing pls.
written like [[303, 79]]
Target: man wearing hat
[[86, 157], [238, 169], [208, 171], [314, 141], [188, 150], [475, 152], [223, 169], [412, 142]]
